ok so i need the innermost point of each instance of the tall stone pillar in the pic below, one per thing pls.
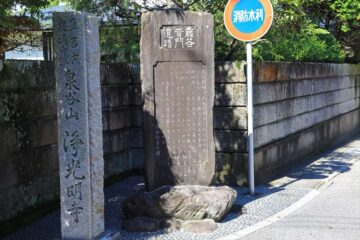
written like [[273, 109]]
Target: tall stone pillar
[[80, 141], [177, 73]]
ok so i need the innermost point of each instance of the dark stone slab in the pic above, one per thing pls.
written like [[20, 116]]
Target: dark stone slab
[[230, 141], [177, 72], [230, 118], [114, 96], [231, 169]]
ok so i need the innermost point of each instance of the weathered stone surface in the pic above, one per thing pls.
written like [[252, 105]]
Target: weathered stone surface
[[230, 118], [137, 159], [116, 164], [279, 110], [277, 130], [8, 139], [231, 169], [114, 96], [114, 119], [181, 202], [30, 103], [26, 74], [271, 92], [123, 139], [171, 224], [177, 73], [200, 226], [274, 157], [281, 71], [141, 224], [19, 197], [77, 71], [146, 224], [230, 95], [137, 116], [135, 95], [230, 141], [230, 72], [116, 73], [43, 132]]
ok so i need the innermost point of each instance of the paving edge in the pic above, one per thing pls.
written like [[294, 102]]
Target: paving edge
[[288, 210], [292, 208]]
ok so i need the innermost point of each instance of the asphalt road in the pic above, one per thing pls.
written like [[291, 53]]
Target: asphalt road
[[333, 215]]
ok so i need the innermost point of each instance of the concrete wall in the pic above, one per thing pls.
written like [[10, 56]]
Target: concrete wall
[[28, 151], [230, 123], [122, 118], [300, 109], [29, 174]]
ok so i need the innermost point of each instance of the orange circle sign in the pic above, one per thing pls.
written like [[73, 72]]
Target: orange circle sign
[[248, 20]]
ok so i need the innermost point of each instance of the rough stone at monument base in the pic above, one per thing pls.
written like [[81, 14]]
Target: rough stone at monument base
[[181, 202]]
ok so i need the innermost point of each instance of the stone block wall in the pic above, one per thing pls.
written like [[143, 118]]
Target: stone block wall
[[28, 126], [230, 123], [122, 118], [29, 170], [301, 109]]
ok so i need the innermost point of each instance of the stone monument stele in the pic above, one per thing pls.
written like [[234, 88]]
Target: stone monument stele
[[177, 74], [77, 71]]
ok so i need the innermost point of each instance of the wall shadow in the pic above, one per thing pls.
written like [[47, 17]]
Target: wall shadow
[[230, 124], [329, 162], [158, 159]]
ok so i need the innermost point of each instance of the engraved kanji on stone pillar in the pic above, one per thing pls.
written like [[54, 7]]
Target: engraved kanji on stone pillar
[[177, 73], [77, 71]]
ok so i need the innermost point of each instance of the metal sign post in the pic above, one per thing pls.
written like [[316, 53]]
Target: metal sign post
[[250, 112], [249, 20]]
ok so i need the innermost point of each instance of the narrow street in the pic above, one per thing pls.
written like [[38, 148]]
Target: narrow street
[[332, 215]]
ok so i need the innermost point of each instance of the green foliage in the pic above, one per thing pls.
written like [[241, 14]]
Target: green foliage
[[14, 28], [293, 37], [114, 43], [84, 5], [120, 35], [340, 17], [303, 30], [53, 3], [30, 7], [309, 45]]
